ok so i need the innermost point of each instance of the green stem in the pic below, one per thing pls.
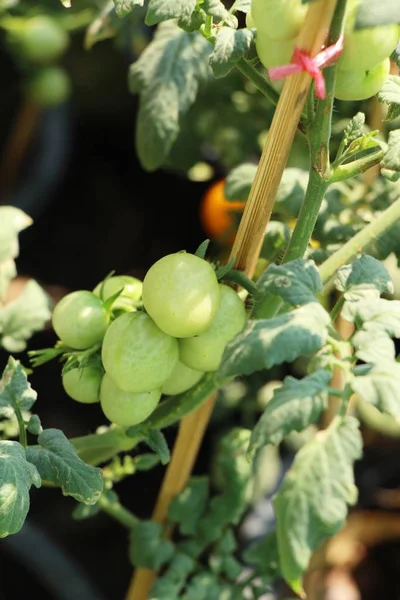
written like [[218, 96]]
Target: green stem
[[98, 448], [208, 26], [21, 424], [360, 242], [259, 81], [118, 512], [356, 167], [318, 135], [241, 279], [337, 308]]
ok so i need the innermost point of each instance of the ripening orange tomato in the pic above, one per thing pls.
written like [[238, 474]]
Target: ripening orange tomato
[[220, 217]]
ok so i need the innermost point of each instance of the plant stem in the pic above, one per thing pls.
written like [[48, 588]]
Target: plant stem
[[258, 79], [97, 448], [360, 242], [337, 308], [118, 512], [21, 423], [356, 167], [318, 135]]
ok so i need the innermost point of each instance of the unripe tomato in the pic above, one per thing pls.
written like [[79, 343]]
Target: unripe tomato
[[272, 53], [278, 19], [126, 408], [80, 319], [83, 385], [250, 21], [181, 294], [131, 290], [204, 351], [359, 85], [181, 379], [40, 39], [49, 86], [137, 354], [365, 48], [220, 217]]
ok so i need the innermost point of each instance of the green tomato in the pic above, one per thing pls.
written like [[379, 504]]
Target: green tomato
[[137, 354], [365, 48], [278, 19], [181, 379], [181, 294], [126, 408], [204, 352], [83, 385], [359, 85], [49, 86], [131, 291], [272, 53], [41, 39], [80, 319]]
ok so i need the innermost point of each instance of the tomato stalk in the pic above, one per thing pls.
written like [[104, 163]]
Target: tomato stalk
[[318, 135], [117, 512], [21, 424], [360, 242]]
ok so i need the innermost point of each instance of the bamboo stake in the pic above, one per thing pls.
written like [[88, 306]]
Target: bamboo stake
[[246, 250]]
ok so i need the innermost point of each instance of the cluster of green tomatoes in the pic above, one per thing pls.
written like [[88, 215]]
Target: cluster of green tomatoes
[[364, 64], [146, 339], [37, 44]]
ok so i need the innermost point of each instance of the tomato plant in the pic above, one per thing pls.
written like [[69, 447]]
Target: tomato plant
[[308, 206]]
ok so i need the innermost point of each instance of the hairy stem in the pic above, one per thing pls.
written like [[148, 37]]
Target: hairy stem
[[21, 424], [360, 242], [118, 512]]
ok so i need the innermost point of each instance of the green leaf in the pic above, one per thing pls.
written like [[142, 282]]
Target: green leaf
[[24, 316], [103, 27], [147, 547], [163, 10], [167, 75], [267, 342], [217, 10], [391, 161], [34, 425], [125, 7], [373, 346], [12, 221], [172, 581], [156, 441], [188, 507], [390, 94], [372, 13], [85, 511], [57, 461], [173, 408], [312, 501], [380, 387], [296, 282], [16, 477], [203, 586], [364, 273], [291, 191], [276, 239], [239, 182], [232, 473], [354, 129], [374, 314], [263, 555], [15, 389], [230, 46], [294, 406]]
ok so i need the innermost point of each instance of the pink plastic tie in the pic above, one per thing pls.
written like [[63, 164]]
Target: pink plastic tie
[[302, 61]]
